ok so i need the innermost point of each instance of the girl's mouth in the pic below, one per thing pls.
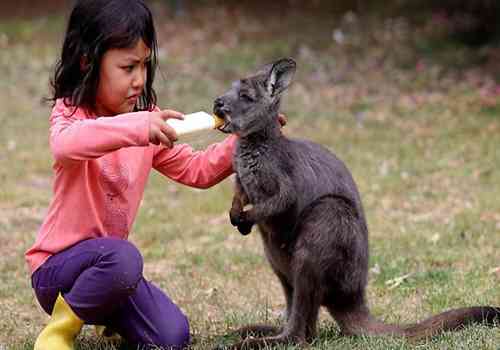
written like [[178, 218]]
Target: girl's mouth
[[132, 99]]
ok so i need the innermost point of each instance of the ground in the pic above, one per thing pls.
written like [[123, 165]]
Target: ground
[[414, 115]]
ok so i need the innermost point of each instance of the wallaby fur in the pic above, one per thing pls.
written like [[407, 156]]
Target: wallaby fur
[[309, 212]]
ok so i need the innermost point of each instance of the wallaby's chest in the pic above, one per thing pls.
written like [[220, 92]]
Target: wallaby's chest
[[258, 173]]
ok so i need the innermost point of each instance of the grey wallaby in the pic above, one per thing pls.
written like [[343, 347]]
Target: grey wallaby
[[309, 212]]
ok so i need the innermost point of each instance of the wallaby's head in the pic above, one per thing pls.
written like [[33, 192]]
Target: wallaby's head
[[252, 103]]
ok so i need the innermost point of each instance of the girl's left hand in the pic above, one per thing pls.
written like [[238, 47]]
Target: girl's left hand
[[282, 119]]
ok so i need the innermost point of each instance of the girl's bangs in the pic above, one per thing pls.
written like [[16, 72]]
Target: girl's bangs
[[129, 32]]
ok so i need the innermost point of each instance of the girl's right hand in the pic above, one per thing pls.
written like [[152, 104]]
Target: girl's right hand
[[161, 132]]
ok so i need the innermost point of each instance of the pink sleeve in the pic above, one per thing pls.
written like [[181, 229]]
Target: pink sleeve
[[201, 169], [74, 138]]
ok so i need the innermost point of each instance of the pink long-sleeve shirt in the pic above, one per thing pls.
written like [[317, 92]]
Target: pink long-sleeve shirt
[[101, 168]]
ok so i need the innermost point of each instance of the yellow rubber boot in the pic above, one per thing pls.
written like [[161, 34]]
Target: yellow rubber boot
[[62, 329]]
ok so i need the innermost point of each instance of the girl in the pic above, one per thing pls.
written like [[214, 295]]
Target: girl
[[106, 134]]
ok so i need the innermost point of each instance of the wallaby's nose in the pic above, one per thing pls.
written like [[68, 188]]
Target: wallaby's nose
[[218, 106]]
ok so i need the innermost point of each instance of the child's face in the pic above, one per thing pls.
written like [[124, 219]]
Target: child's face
[[121, 79]]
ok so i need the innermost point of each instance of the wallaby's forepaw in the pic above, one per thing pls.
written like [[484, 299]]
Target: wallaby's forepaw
[[241, 222], [245, 229]]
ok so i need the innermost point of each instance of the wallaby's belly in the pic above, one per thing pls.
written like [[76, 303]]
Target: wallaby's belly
[[277, 252]]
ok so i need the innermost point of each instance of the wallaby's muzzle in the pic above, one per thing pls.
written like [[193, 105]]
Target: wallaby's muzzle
[[223, 112]]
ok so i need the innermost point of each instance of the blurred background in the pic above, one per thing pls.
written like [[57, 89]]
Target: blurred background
[[406, 92]]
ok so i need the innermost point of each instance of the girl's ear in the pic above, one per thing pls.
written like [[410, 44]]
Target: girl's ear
[[280, 76], [84, 63]]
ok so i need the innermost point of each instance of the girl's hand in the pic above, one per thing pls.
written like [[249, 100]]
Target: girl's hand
[[161, 132], [282, 119]]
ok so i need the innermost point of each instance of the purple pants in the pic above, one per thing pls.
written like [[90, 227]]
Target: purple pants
[[101, 280]]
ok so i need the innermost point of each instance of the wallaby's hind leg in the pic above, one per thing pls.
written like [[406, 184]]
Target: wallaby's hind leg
[[302, 320], [311, 328], [306, 302], [306, 297], [261, 330], [353, 320], [288, 291]]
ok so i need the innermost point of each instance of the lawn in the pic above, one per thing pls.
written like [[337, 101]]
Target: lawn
[[415, 116]]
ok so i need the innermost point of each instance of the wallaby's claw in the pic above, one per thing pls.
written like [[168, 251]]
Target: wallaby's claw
[[245, 228]]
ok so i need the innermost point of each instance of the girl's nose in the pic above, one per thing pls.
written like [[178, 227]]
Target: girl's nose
[[139, 78]]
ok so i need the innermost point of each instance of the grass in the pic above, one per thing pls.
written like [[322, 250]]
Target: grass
[[419, 133]]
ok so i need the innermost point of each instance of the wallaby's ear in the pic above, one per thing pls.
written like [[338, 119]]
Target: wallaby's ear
[[280, 76]]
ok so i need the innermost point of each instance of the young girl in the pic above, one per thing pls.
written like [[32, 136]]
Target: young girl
[[106, 134]]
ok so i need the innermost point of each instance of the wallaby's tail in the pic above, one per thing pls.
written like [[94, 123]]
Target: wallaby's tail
[[453, 320], [361, 322]]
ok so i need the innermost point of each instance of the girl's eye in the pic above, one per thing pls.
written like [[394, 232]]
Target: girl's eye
[[128, 68]]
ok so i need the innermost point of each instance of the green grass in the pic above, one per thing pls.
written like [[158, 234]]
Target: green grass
[[421, 144]]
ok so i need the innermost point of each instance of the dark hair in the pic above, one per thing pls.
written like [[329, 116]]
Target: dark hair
[[94, 27]]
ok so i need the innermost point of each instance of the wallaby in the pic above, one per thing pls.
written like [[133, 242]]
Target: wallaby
[[309, 212]]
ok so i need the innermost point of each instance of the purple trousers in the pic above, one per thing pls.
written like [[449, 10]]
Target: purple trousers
[[101, 280]]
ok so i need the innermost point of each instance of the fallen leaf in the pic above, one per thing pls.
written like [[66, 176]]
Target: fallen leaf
[[395, 282]]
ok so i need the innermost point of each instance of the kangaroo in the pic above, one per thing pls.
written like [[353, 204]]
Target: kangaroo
[[311, 220]]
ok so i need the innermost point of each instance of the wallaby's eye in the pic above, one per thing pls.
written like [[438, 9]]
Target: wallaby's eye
[[246, 97]]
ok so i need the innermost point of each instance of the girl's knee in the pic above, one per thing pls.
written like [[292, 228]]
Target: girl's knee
[[176, 336], [124, 262]]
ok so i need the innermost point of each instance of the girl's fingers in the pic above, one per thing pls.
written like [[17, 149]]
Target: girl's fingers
[[168, 131], [165, 140], [171, 114], [154, 141], [282, 119]]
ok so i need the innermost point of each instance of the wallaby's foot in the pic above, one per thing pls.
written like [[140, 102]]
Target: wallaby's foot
[[311, 333], [262, 343], [257, 330]]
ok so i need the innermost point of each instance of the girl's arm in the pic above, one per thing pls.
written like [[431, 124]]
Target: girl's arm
[[201, 169], [76, 139]]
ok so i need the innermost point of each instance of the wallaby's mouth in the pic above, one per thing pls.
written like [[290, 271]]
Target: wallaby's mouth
[[225, 128]]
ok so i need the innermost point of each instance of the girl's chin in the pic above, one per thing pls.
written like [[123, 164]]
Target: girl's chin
[[116, 109], [130, 105], [127, 108]]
